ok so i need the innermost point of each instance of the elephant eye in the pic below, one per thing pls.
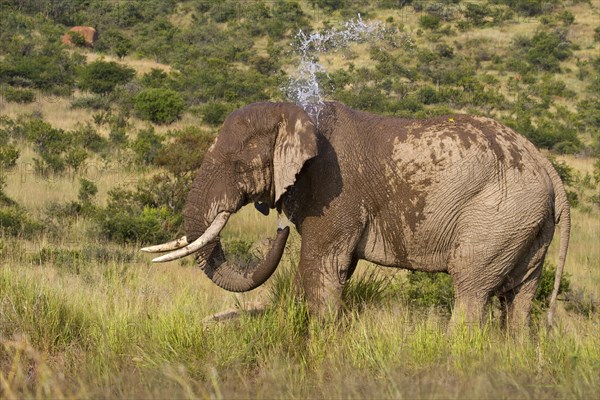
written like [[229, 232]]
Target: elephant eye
[[241, 167]]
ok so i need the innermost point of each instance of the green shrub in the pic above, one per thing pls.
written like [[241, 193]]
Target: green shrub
[[476, 13], [48, 67], [428, 95], [547, 49], [151, 225], [9, 154], [92, 102], [87, 137], [162, 106], [425, 289], [589, 113], [113, 41], [57, 149], [14, 221], [73, 259], [329, 5], [156, 78], [183, 155], [445, 50], [102, 77], [526, 7], [77, 39], [550, 133], [544, 292], [566, 17], [150, 212], [581, 302], [429, 22], [23, 96], [214, 113], [568, 176], [372, 287], [147, 145], [87, 191], [239, 252]]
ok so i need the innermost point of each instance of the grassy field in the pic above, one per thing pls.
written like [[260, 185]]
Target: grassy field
[[85, 319]]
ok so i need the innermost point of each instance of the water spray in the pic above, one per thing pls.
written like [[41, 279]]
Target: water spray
[[303, 87]]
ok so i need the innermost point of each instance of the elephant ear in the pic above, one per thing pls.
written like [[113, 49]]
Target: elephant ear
[[296, 143]]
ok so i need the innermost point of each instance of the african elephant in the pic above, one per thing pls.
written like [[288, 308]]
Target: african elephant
[[458, 194]]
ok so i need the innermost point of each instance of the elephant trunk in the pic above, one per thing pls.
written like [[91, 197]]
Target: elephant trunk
[[203, 239], [237, 278]]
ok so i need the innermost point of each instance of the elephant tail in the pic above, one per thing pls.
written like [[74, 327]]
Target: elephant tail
[[562, 215]]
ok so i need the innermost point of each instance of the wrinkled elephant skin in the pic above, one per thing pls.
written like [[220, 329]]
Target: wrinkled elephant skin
[[460, 194]]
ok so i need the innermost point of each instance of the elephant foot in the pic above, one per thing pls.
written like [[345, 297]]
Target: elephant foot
[[251, 308]]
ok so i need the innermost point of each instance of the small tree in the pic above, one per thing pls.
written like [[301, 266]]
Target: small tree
[[102, 77], [162, 106]]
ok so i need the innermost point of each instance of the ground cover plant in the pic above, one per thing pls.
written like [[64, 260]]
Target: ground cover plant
[[91, 169]]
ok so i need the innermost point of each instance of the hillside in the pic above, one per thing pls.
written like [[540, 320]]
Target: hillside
[[98, 147]]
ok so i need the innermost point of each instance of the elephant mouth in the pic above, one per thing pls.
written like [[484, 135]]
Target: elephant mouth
[[212, 260]]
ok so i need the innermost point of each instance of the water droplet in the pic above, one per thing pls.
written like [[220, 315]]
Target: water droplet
[[303, 87]]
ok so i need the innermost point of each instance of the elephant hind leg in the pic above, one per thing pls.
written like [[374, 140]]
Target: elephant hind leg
[[516, 304], [516, 297], [476, 272]]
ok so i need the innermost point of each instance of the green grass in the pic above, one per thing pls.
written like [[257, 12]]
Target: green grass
[[80, 318], [117, 326]]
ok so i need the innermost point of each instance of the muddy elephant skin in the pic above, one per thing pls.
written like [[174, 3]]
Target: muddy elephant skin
[[459, 194]]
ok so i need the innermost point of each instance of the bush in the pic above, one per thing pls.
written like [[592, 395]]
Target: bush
[[546, 49], [428, 95], [426, 289], [476, 13], [568, 176], [8, 155], [162, 106], [48, 67], [184, 154], [329, 5], [23, 96], [102, 77], [87, 191], [92, 102], [544, 292], [150, 225], [156, 78], [113, 41], [150, 212], [77, 39], [146, 145], [429, 22], [214, 113], [526, 7], [371, 288], [14, 221]]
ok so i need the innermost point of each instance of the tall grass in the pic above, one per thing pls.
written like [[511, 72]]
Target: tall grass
[[126, 329], [86, 319]]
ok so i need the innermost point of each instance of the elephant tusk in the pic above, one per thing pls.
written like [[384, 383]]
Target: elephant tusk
[[209, 235], [172, 245]]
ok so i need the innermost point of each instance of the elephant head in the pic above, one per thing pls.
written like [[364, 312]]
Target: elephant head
[[255, 158]]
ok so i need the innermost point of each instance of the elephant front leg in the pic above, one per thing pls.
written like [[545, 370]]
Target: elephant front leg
[[323, 273]]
